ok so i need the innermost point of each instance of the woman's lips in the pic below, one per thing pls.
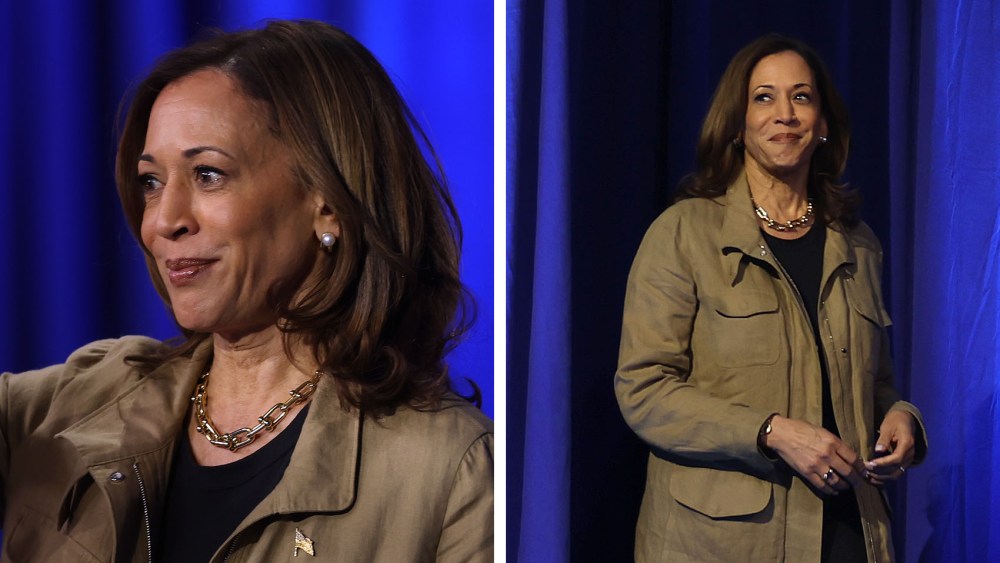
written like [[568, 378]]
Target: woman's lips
[[785, 138], [184, 271]]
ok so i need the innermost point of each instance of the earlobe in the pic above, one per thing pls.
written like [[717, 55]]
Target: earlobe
[[327, 240]]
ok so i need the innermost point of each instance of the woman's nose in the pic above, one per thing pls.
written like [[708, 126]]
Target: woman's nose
[[174, 213], [785, 112]]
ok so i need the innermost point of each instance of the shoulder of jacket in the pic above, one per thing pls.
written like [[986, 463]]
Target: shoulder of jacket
[[454, 422], [688, 214], [64, 393], [111, 351], [863, 237]]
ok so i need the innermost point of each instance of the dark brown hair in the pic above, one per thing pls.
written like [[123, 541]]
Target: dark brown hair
[[382, 314], [720, 159]]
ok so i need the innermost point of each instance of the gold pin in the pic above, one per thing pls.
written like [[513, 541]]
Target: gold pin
[[303, 543]]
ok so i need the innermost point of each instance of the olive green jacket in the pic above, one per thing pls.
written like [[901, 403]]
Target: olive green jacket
[[87, 448], [715, 338]]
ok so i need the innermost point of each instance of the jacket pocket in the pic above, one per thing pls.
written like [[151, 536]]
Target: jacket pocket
[[34, 537], [719, 494], [864, 302], [747, 329], [869, 319]]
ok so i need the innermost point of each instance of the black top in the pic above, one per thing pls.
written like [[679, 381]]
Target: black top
[[205, 504], [802, 260]]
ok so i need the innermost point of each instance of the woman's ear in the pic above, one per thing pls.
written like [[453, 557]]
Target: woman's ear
[[325, 222]]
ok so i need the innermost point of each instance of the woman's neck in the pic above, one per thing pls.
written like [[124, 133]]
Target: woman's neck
[[248, 376], [783, 197], [254, 366]]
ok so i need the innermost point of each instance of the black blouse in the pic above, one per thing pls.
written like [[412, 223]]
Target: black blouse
[[205, 504]]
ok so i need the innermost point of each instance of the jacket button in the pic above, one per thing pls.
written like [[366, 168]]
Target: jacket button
[[117, 476]]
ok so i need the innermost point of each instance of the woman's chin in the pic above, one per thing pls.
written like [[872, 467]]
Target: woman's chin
[[197, 320]]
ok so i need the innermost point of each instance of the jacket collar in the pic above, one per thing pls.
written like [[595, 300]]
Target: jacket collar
[[321, 476], [324, 472], [740, 229], [741, 233], [145, 417]]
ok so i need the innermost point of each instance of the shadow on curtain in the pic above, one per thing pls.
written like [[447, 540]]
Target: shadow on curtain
[[595, 147], [71, 272]]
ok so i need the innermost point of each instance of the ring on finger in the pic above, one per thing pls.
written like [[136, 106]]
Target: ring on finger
[[828, 475]]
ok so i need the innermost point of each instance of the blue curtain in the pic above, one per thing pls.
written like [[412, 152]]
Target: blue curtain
[[922, 83], [71, 272], [953, 501], [545, 485]]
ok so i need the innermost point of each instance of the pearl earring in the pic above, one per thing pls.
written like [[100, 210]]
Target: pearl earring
[[823, 140], [326, 240]]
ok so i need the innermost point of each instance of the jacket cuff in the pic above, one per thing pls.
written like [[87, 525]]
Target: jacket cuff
[[920, 439]]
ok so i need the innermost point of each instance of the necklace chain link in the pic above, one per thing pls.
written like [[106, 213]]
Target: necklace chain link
[[787, 225], [245, 436]]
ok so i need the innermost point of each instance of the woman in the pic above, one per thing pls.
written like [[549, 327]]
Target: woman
[[302, 241], [754, 358]]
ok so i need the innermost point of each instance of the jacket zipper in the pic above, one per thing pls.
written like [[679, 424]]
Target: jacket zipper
[[145, 512], [232, 547]]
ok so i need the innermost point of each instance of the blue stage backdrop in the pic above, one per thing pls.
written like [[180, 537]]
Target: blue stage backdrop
[[71, 273]]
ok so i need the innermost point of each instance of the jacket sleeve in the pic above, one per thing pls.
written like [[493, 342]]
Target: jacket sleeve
[[887, 399], [26, 398], [467, 532], [657, 401]]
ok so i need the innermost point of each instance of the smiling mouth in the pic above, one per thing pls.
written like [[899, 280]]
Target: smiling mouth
[[184, 271], [785, 138]]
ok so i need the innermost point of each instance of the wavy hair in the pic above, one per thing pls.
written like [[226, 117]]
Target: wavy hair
[[389, 303], [719, 159]]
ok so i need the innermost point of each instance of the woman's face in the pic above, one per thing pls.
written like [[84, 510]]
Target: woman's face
[[223, 217], [784, 119]]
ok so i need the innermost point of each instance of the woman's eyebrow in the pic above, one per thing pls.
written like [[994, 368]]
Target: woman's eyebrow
[[188, 153]]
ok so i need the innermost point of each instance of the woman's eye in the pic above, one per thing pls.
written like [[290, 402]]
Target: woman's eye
[[208, 175], [803, 97], [149, 183], [762, 98]]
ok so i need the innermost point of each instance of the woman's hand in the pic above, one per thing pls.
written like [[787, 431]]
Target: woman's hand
[[821, 458], [894, 449]]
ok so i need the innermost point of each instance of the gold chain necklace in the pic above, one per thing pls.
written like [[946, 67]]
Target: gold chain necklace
[[788, 225], [245, 436]]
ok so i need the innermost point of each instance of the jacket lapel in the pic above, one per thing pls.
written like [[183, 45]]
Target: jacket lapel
[[324, 472], [740, 231], [838, 252], [145, 417]]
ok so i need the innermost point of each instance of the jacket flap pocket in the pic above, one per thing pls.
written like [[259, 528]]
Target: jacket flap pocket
[[866, 304], [719, 494], [743, 302]]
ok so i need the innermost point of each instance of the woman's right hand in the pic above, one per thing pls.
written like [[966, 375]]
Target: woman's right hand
[[813, 452]]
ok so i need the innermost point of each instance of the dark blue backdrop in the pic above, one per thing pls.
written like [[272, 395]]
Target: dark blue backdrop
[[70, 272], [604, 105]]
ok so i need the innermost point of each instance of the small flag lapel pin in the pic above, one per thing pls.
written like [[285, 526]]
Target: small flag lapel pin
[[303, 543]]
